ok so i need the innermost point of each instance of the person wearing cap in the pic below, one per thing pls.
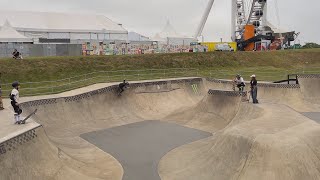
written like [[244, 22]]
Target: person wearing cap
[[254, 89], [239, 82], [14, 96]]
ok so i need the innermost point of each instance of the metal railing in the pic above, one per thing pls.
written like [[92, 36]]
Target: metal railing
[[262, 75], [62, 85]]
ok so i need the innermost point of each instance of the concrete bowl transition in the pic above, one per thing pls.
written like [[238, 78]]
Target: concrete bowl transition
[[176, 129]]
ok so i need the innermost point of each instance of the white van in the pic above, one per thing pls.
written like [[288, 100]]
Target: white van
[[224, 47]]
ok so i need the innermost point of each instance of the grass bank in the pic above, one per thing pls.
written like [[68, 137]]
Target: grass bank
[[269, 65]]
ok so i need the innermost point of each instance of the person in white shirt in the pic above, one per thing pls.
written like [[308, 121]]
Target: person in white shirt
[[239, 82], [14, 96]]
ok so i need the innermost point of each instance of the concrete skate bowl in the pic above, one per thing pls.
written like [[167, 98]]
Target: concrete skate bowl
[[230, 138]]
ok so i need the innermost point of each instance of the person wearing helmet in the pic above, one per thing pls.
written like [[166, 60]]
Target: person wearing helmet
[[239, 82], [254, 89], [122, 85], [14, 96]]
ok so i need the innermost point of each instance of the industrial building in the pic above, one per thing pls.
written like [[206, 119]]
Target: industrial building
[[48, 27]]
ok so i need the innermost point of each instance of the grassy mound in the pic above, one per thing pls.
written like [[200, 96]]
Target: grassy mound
[[271, 65]]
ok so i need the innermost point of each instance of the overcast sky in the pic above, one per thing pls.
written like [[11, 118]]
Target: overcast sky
[[149, 16]]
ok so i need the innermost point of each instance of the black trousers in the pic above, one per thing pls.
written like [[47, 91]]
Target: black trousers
[[16, 108]]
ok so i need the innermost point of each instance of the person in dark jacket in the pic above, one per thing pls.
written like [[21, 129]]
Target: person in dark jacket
[[123, 85], [16, 54], [254, 89]]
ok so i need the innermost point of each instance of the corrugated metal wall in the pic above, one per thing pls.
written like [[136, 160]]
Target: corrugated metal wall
[[35, 50]]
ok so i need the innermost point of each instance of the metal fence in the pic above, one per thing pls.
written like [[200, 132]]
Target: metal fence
[[35, 50], [62, 85]]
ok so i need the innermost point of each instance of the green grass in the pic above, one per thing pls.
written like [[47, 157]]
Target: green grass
[[269, 66]]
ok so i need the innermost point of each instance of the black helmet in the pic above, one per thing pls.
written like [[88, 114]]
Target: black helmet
[[15, 84]]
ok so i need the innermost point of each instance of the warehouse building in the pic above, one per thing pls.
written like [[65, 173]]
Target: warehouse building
[[48, 27]]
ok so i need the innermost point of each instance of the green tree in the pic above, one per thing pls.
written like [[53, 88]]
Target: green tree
[[311, 45]]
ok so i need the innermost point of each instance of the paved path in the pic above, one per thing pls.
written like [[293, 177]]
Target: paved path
[[140, 146]]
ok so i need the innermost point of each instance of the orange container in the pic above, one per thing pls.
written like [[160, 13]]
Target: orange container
[[248, 34]]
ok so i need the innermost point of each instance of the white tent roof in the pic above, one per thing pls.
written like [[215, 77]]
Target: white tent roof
[[167, 32], [9, 34], [134, 36], [60, 22]]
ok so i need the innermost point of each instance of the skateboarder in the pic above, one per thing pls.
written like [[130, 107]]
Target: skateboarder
[[14, 96], [239, 82], [122, 85], [254, 89], [16, 54]]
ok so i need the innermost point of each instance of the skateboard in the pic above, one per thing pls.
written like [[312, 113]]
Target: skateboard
[[25, 119]]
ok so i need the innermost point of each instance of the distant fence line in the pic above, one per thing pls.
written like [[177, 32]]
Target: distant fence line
[[38, 50], [62, 85]]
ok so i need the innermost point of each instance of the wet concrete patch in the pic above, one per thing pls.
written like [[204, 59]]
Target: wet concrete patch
[[313, 115], [140, 146]]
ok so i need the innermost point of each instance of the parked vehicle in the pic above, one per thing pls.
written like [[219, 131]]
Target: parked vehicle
[[224, 47]]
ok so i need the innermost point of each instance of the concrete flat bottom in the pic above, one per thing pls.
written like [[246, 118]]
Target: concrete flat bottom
[[140, 146], [313, 115]]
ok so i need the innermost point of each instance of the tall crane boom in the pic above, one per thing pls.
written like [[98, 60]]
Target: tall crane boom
[[204, 19]]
